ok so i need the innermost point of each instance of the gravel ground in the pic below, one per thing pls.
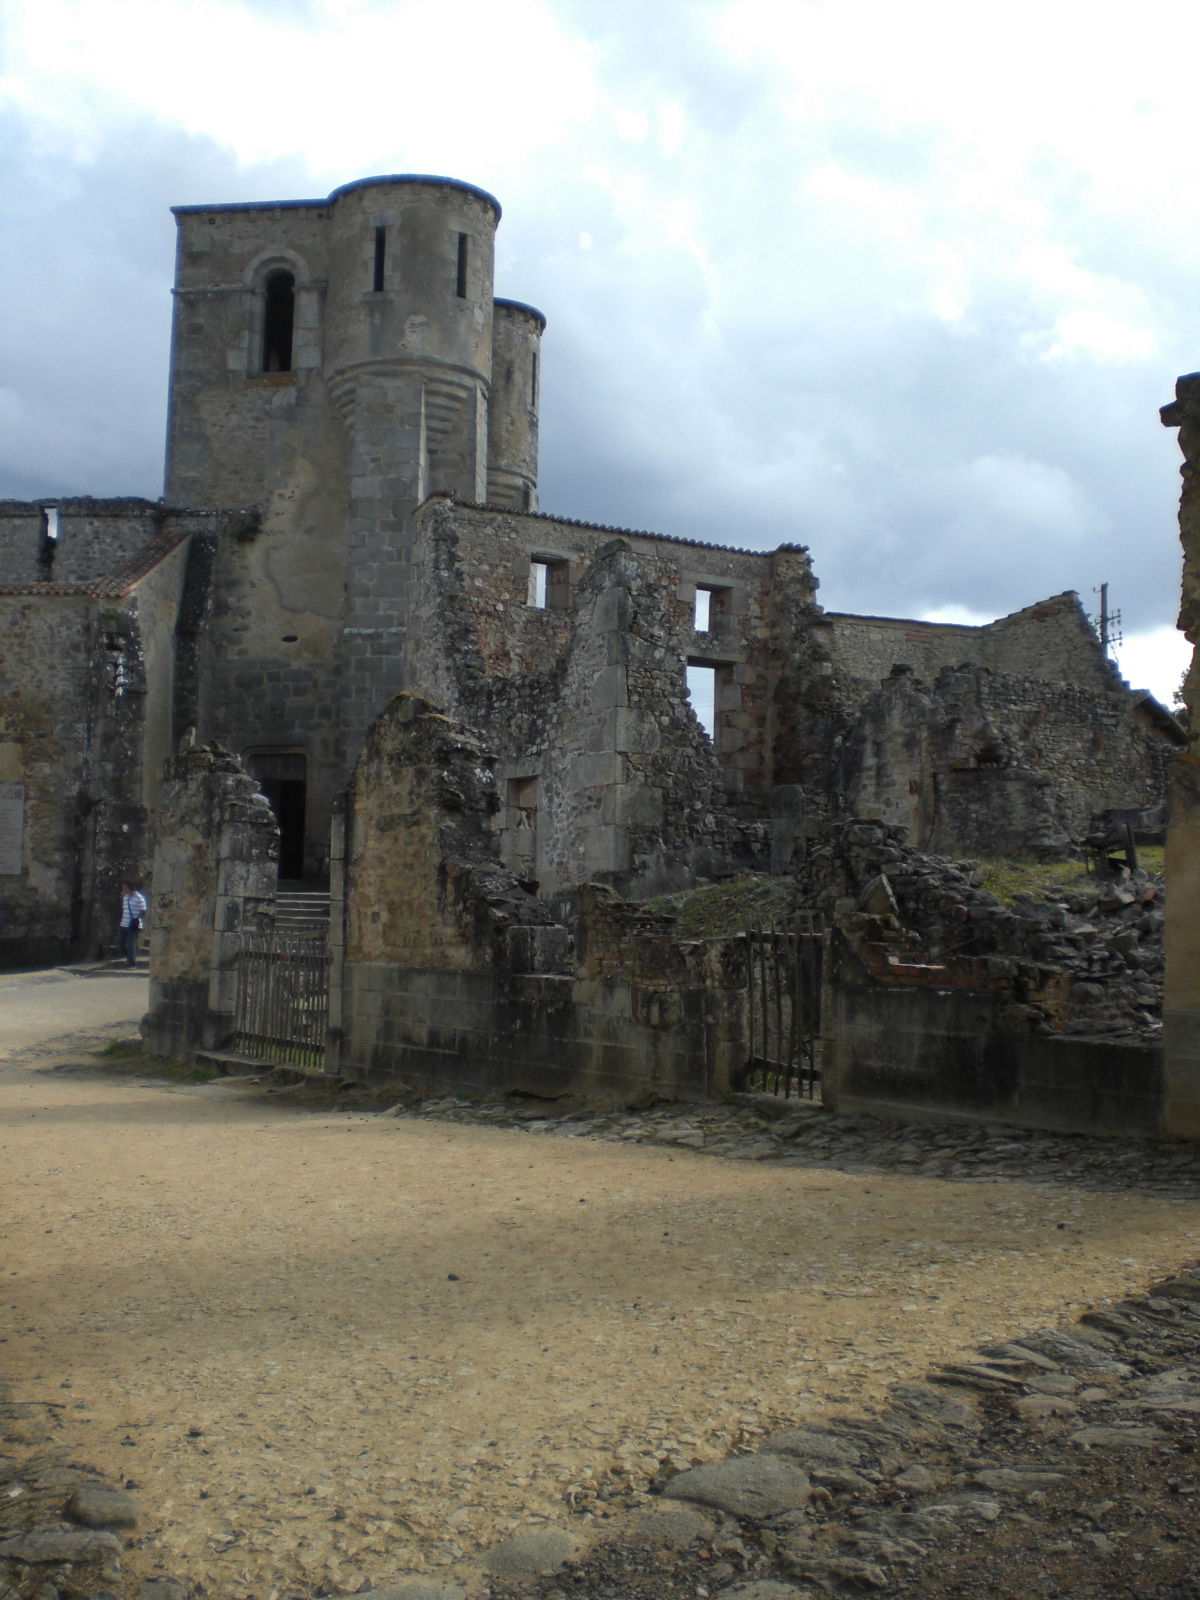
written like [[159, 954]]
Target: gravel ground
[[332, 1348]]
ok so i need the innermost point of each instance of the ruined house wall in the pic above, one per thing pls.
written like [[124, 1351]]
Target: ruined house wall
[[46, 660], [214, 874], [73, 699], [96, 538], [456, 975], [941, 1002], [1181, 1012], [1052, 638], [910, 1044], [599, 754], [977, 762], [867, 648]]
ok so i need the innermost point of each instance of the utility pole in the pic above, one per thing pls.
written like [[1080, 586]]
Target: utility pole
[[1110, 624]]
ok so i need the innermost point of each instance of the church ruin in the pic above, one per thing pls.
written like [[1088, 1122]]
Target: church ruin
[[351, 510]]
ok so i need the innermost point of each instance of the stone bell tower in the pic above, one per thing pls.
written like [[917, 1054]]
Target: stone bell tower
[[333, 363]]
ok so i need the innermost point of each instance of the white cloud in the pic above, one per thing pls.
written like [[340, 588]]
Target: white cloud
[[906, 283], [1155, 660]]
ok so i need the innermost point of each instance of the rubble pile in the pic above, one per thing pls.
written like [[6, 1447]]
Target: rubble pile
[[1089, 962]]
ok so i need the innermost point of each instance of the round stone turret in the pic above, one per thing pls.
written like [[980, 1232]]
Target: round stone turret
[[513, 405]]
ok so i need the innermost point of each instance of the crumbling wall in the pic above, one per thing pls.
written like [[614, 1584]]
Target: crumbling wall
[[1051, 639], [455, 974], [603, 770], [215, 865], [1182, 1002], [942, 1001], [980, 762], [73, 696]]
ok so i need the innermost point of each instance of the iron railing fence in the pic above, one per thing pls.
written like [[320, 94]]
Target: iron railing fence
[[784, 964], [282, 1006]]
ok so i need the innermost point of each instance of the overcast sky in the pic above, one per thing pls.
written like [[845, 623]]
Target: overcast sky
[[904, 283]]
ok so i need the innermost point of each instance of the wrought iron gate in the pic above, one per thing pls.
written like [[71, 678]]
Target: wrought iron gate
[[282, 1007], [783, 971]]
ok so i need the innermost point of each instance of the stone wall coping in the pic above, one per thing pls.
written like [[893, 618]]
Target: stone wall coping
[[119, 583], [427, 180], [605, 527], [520, 305]]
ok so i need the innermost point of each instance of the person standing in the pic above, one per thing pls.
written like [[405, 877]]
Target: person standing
[[133, 909]]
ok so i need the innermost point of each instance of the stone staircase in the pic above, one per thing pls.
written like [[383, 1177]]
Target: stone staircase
[[302, 913]]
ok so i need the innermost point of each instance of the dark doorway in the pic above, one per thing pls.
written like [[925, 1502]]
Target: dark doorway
[[282, 778]]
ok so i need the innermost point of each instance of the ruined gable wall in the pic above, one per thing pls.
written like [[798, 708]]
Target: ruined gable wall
[[1054, 641], [981, 763], [1051, 640]]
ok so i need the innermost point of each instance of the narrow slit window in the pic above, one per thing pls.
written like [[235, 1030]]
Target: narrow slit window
[[533, 379], [380, 258], [462, 266], [279, 315], [702, 693], [48, 544]]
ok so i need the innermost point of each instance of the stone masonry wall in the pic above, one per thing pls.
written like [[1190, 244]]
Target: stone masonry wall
[[214, 873], [95, 538], [1181, 1016], [1051, 640], [46, 657], [942, 1002], [586, 695], [982, 763], [455, 975], [73, 707]]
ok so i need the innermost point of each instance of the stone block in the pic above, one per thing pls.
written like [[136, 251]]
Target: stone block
[[609, 689], [628, 805]]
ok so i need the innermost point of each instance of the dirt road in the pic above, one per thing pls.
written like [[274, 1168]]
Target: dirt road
[[332, 1348]]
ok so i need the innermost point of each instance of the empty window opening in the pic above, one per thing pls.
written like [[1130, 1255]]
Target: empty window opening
[[533, 379], [380, 258], [549, 584], [48, 543], [462, 266], [520, 826], [279, 313], [702, 693], [711, 609], [527, 497]]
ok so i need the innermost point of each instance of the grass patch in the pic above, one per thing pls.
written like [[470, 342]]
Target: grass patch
[[723, 909], [1053, 880], [130, 1057]]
